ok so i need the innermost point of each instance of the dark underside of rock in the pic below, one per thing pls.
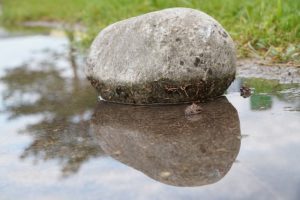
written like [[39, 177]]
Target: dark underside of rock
[[163, 91]]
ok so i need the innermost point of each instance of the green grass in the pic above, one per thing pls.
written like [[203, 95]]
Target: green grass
[[267, 86], [264, 28]]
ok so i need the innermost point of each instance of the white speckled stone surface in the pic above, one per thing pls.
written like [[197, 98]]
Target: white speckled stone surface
[[177, 44]]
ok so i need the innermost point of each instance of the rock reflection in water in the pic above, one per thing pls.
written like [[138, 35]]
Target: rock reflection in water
[[168, 146]]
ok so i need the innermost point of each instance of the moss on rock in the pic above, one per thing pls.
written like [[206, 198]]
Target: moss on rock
[[163, 91]]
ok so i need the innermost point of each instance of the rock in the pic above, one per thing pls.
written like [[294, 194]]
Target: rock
[[168, 146], [169, 56], [245, 91], [193, 109]]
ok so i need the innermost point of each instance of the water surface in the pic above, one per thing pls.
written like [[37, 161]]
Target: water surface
[[58, 142]]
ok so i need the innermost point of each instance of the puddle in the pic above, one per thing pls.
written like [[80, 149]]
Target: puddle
[[57, 142]]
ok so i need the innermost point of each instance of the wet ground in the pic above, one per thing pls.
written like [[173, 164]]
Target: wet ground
[[57, 142]]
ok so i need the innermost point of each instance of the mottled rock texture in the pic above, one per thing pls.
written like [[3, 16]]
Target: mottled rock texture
[[166, 144], [169, 56]]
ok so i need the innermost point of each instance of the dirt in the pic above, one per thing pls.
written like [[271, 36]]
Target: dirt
[[253, 68]]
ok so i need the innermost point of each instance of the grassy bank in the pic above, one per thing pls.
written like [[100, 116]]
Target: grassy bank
[[265, 28]]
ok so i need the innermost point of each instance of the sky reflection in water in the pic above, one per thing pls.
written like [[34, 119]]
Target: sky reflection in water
[[51, 149]]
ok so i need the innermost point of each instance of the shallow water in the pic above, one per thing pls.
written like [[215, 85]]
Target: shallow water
[[57, 142]]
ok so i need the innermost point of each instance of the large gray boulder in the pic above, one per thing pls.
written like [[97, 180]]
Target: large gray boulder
[[169, 56]]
